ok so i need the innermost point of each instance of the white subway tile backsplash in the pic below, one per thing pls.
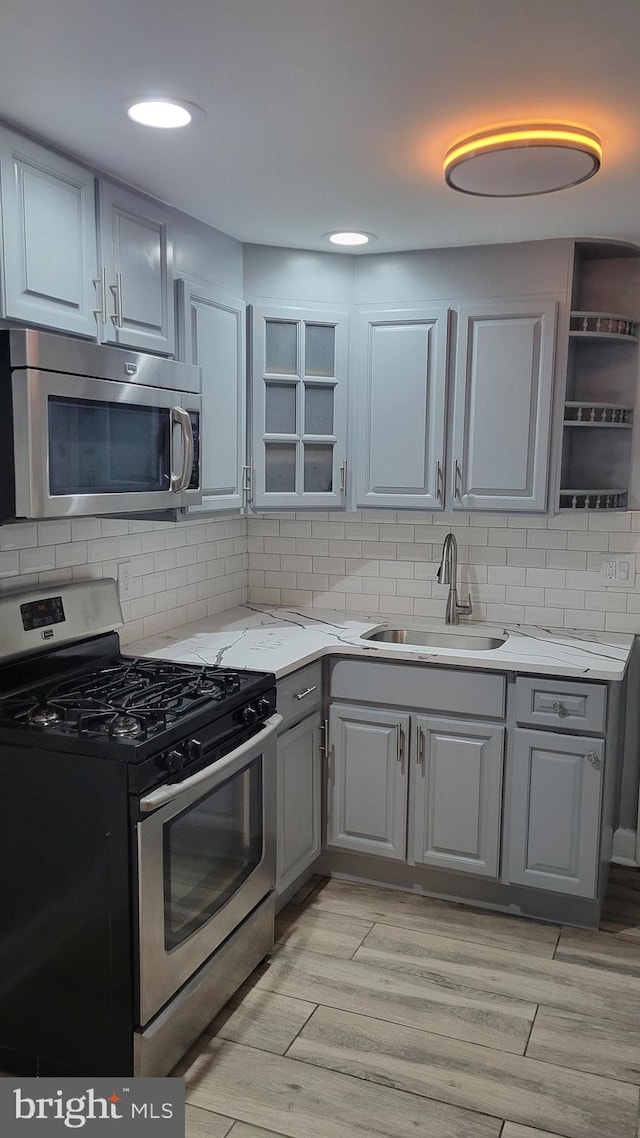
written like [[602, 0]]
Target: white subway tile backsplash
[[72, 553], [37, 560], [54, 533], [10, 563], [19, 536]]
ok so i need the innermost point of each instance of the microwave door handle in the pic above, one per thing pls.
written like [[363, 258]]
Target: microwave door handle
[[165, 794], [181, 481]]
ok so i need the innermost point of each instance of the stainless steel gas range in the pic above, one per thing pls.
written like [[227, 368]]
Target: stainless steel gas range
[[137, 840]]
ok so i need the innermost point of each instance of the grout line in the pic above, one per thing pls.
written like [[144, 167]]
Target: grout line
[[299, 1031], [531, 1030], [361, 941]]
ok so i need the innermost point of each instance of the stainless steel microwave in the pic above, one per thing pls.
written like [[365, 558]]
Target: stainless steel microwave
[[86, 429]]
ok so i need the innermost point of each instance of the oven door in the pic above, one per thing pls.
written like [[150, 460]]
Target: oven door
[[97, 446], [206, 858]]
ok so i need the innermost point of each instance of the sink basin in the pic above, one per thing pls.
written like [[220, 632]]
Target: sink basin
[[467, 640]]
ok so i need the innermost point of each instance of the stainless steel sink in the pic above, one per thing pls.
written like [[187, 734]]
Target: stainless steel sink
[[467, 640]]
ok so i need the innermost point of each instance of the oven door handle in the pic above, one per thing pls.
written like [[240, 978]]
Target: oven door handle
[[165, 794]]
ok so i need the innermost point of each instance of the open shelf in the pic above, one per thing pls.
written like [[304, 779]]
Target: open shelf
[[603, 326]]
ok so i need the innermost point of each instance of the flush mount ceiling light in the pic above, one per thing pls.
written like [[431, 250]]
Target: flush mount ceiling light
[[521, 161], [166, 114], [349, 237]]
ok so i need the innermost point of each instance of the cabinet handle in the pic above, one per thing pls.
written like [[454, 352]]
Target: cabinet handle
[[305, 693], [116, 289], [100, 283], [594, 759], [439, 482], [421, 747], [331, 765], [458, 481], [343, 479], [561, 709], [401, 744]]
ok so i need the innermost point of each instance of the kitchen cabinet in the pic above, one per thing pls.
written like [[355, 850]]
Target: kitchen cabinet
[[299, 775], [298, 413], [602, 369], [299, 767], [367, 791], [456, 794], [555, 811], [400, 370], [503, 388], [49, 259], [557, 777], [211, 333], [136, 255]]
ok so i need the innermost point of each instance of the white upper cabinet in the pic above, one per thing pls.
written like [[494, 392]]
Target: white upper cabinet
[[136, 255], [502, 404], [298, 416], [48, 237], [400, 361], [211, 333]]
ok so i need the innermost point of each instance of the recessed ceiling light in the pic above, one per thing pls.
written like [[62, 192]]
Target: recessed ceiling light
[[349, 237], [167, 114], [522, 160]]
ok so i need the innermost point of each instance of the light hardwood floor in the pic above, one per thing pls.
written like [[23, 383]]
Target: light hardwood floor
[[389, 1015]]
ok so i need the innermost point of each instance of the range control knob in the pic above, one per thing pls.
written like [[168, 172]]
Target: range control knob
[[263, 706], [172, 761], [249, 716]]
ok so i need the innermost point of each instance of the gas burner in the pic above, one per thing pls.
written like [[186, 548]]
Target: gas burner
[[122, 727], [43, 716]]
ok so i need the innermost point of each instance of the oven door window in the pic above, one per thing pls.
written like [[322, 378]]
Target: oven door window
[[209, 850], [107, 448]]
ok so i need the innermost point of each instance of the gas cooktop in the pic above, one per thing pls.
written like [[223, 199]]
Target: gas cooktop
[[126, 699]]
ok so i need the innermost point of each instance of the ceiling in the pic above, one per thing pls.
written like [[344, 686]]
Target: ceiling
[[334, 114]]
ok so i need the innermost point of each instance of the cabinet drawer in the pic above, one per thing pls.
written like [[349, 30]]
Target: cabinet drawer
[[299, 694], [443, 690], [561, 704]]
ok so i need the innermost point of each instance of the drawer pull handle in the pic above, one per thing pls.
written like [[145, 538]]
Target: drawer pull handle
[[561, 709], [594, 759], [401, 743], [305, 693], [421, 743]]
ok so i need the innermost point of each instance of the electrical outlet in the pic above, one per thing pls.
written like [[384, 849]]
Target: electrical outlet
[[618, 570], [124, 580]]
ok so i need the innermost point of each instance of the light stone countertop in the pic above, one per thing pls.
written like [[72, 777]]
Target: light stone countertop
[[281, 640]]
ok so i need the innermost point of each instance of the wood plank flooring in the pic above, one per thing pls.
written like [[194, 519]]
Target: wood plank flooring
[[386, 1014]]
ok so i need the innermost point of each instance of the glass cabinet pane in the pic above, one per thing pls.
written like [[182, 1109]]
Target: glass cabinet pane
[[319, 349], [318, 468], [280, 468], [281, 409], [318, 410], [281, 347]]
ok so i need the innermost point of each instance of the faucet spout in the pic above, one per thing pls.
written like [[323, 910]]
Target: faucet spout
[[448, 575]]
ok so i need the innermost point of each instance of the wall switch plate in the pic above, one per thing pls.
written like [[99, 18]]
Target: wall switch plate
[[618, 570], [124, 580]]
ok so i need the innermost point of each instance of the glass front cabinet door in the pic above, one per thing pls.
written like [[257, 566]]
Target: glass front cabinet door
[[299, 368]]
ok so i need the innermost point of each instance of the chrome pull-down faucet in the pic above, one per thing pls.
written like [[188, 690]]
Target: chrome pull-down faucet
[[448, 575]]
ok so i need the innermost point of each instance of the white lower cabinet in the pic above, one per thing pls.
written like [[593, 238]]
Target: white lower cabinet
[[299, 768], [439, 781], [456, 794], [367, 785], [555, 811]]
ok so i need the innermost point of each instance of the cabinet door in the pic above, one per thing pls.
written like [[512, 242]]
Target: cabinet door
[[48, 237], [137, 257], [456, 795], [211, 334], [502, 411], [401, 365], [299, 369], [367, 784], [299, 795], [555, 812]]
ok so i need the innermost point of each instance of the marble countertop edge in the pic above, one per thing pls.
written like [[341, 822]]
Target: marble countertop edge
[[282, 640]]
